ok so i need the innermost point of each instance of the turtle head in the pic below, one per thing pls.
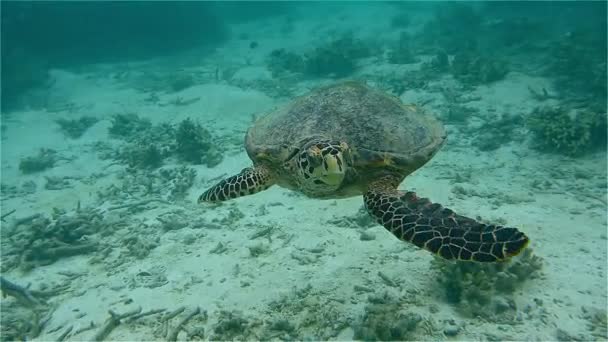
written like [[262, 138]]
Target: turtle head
[[321, 165]]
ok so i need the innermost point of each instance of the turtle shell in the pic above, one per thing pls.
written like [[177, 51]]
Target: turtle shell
[[378, 127]]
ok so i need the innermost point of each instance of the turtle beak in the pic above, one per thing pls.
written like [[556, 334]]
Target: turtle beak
[[334, 170]]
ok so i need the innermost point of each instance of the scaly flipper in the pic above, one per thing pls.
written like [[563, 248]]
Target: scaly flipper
[[439, 230], [249, 181]]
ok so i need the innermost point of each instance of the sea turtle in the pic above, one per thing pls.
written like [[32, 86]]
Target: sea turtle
[[349, 139]]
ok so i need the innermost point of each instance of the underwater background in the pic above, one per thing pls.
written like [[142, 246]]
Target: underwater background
[[116, 116]]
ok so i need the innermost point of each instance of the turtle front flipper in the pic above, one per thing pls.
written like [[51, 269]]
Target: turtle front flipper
[[249, 181], [439, 230]]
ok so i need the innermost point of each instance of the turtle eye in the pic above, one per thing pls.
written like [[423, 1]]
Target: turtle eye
[[314, 160]]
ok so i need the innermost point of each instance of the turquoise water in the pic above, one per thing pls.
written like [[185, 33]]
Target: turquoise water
[[127, 126]]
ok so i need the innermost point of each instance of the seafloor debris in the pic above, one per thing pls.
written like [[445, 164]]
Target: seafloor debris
[[172, 334], [57, 183], [169, 183], [314, 313], [7, 214], [27, 315], [12, 191], [38, 240], [153, 278], [232, 325], [112, 322], [361, 220]]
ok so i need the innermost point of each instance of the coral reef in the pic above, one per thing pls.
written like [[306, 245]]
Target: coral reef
[[572, 133], [147, 149], [127, 125], [281, 61], [473, 69], [337, 58], [45, 159], [145, 156], [75, 128], [352, 47], [326, 62], [195, 144], [486, 289], [150, 146]]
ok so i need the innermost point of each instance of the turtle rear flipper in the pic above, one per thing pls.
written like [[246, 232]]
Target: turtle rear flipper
[[248, 182], [439, 230]]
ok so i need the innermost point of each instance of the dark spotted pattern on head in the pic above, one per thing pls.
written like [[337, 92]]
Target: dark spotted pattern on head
[[438, 229], [321, 166], [314, 156], [248, 181]]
